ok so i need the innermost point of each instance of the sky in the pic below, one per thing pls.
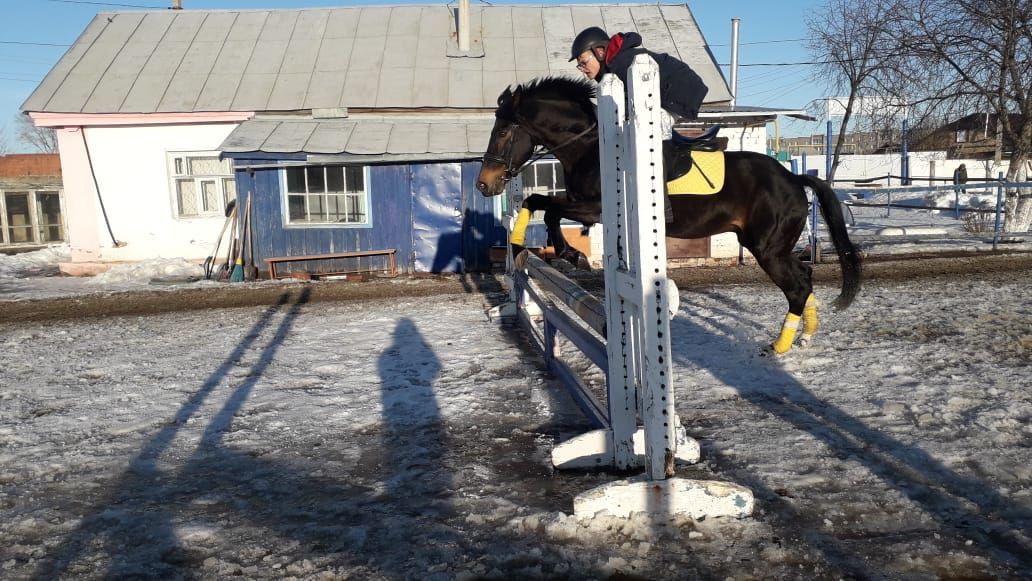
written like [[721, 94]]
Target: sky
[[35, 33]]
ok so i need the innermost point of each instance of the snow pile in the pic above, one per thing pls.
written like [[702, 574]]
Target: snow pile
[[37, 263], [158, 269]]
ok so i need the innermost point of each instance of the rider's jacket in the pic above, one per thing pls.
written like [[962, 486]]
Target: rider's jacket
[[681, 89]]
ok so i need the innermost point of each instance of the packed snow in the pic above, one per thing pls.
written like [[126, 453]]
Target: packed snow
[[410, 439]]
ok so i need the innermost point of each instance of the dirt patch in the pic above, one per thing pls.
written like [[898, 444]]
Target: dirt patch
[[487, 285]]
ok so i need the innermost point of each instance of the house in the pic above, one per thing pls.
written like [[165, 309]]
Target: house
[[31, 201], [973, 136], [348, 128]]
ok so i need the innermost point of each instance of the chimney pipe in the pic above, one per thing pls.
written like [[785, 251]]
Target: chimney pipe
[[464, 25], [177, 4], [734, 61]]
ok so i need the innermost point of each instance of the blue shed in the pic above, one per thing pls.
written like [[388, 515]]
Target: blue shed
[[330, 186]]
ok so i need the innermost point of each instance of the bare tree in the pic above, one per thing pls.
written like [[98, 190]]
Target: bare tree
[[848, 37], [957, 57], [4, 148], [43, 139]]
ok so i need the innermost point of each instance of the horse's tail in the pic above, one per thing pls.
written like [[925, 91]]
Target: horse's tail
[[849, 258]]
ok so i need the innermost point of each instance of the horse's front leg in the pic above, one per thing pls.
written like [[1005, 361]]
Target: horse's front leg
[[563, 249], [518, 234]]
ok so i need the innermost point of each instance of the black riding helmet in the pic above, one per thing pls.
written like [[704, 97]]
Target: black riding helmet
[[588, 39]]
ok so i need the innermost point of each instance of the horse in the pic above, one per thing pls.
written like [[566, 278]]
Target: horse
[[763, 203]]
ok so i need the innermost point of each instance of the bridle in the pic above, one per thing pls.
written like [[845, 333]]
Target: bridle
[[541, 151]]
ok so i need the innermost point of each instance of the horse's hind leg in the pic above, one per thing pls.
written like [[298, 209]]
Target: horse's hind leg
[[563, 249], [794, 279]]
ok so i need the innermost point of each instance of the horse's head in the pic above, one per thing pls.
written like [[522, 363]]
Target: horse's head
[[552, 112], [508, 149]]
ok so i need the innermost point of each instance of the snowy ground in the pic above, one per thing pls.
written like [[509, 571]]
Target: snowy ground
[[409, 439]]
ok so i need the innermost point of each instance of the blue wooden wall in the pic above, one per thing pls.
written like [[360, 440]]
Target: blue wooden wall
[[392, 212]]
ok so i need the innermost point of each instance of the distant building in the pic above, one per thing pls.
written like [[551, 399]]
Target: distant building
[[31, 201], [971, 137]]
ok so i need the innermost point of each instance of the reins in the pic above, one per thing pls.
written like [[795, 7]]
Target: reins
[[507, 160]]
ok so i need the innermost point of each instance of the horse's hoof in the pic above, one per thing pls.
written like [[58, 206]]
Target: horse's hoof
[[769, 351], [582, 263]]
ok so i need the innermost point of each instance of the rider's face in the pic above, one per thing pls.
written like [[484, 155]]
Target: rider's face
[[588, 64]]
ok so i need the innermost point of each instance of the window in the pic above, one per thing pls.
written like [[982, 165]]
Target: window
[[31, 217], [327, 195], [544, 177], [962, 136], [202, 184]]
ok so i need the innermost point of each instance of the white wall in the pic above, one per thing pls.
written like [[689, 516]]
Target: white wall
[[132, 172], [923, 164]]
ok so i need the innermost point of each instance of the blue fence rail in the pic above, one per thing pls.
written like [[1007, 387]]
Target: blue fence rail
[[860, 197]]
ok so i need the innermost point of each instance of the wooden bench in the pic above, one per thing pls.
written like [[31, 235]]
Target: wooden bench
[[276, 260]]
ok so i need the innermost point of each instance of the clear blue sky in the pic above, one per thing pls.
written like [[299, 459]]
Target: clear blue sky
[[35, 33]]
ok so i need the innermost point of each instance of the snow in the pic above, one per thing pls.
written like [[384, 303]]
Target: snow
[[410, 438]]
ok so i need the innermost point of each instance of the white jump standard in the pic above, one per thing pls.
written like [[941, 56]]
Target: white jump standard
[[638, 297]]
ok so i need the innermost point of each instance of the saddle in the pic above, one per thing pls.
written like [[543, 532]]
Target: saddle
[[694, 165]]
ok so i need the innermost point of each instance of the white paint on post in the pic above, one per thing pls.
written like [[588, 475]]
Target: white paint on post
[[646, 263], [621, 384]]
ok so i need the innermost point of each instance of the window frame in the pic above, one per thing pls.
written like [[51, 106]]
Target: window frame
[[35, 226], [365, 194], [539, 217], [220, 181]]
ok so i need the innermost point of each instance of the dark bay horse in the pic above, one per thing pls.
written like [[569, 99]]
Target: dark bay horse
[[761, 201]]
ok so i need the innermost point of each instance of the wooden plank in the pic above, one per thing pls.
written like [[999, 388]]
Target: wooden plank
[[581, 301]]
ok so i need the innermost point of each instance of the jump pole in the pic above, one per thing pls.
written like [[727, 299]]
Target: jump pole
[[638, 298]]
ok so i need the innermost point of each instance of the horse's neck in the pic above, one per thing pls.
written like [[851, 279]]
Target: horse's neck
[[570, 153]]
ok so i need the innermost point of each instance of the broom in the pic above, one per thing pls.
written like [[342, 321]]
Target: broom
[[238, 269]]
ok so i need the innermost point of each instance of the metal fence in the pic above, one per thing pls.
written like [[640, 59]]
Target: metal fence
[[921, 213]]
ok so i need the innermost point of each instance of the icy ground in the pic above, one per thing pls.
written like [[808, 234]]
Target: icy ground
[[409, 439]]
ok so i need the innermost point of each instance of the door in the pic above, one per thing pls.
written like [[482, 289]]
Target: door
[[437, 217]]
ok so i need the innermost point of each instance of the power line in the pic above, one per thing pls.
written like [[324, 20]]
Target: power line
[[764, 42], [19, 80], [33, 43], [105, 4]]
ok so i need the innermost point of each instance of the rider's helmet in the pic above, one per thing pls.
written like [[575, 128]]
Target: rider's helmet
[[588, 39]]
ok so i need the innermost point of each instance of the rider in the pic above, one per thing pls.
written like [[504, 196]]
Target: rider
[[681, 89]]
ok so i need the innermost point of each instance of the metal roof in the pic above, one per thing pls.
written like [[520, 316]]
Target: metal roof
[[366, 139], [183, 61]]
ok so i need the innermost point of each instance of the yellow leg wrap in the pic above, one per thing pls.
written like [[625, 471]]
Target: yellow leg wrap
[[519, 230], [788, 332], [810, 317]]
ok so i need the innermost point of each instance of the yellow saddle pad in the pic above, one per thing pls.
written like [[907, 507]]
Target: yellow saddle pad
[[706, 165]]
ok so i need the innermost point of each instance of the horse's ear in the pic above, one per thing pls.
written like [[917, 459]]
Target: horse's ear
[[516, 96], [505, 97]]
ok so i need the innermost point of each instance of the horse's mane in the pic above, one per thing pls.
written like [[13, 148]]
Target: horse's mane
[[554, 87]]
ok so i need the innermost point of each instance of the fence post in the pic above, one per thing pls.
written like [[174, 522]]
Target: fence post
[[999, 207], [814, 254], [956, 203]]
